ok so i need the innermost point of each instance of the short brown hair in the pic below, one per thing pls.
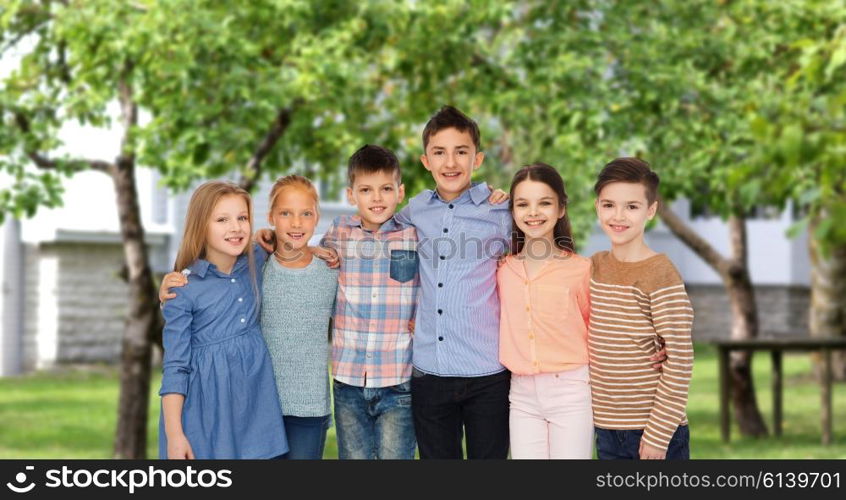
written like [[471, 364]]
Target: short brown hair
[[451, 117], [629, 169], [370, 159]]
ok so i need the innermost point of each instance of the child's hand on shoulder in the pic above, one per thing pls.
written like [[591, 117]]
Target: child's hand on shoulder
[[327, 254], [500, 261], [497, 196], [171, 279], [266, 239]]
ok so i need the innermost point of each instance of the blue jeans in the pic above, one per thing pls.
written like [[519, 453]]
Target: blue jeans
[[446, 407], [306, 437], [624, 444], [374, 423]]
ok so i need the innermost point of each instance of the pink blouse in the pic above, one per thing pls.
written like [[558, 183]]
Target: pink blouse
[[544, 320]]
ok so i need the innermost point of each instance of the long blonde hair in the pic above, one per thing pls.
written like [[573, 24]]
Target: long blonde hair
[[200, 208]]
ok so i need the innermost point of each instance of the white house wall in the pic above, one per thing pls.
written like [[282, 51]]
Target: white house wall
[[801, 260], [47, 307], [11, 298]]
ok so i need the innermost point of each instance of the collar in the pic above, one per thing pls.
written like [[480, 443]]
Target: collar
[[477, 193], [201, 267], [518, 267], [355, 221]]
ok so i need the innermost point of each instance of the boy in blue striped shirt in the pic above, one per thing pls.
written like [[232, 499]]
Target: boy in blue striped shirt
[[458, 385]]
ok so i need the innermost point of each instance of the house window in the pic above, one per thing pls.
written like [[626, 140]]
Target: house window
[[764, 212], [758, 212]]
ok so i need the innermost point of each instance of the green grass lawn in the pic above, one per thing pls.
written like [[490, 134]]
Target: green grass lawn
[[72, 414]]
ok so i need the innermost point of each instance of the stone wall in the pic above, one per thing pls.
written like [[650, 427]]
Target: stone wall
[[782, 311], [76, 312], [29, 346]]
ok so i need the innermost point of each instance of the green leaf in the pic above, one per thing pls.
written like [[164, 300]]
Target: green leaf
[[791, 144], [838, 58], [797, 228], [824, 229]]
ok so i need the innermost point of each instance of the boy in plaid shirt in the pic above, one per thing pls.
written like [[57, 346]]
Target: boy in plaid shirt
[[377, 295]]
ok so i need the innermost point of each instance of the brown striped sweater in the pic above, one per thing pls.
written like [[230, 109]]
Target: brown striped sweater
[[632, 304]]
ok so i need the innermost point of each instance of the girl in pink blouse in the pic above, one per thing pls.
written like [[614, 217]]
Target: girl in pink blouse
[[544, 289]]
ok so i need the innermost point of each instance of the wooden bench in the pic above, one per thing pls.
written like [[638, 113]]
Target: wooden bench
[[777, 346]]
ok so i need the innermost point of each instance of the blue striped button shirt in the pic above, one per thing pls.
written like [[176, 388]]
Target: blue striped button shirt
[[457, 320]]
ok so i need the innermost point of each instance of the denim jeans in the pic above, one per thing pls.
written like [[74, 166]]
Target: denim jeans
[[306, 437], [374, 423], [624, 444], [446, 407]]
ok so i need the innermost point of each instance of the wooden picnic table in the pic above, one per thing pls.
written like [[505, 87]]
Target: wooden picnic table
[[777, 346]]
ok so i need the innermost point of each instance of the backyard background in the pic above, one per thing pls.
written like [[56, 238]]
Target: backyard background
[[111, 111]]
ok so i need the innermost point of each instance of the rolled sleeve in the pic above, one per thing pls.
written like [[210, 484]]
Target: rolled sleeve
[[176, 364]]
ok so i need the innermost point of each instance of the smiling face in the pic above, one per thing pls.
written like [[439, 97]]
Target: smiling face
[[536, 210], [294, 215], [376, 194], [623, 211], [451, 157], [228, 231]]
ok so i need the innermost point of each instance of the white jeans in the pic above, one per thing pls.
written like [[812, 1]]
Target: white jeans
[[551, 415]]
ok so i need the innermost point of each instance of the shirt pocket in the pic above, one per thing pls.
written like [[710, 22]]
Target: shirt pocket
[[551, 302], [403, 265]]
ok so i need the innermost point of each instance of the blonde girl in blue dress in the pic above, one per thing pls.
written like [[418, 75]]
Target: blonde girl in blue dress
[[218, 393]]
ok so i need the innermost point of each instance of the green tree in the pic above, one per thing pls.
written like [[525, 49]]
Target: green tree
[[801, 132], [72, 67], [205, 90]]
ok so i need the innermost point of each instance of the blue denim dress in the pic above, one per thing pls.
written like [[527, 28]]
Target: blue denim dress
[[215, 355]]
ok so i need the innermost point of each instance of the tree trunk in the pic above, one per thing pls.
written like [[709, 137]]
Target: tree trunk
[[744, 325], [735, 275], [828, 295], [143, 315], [252, 171], [136, 352]]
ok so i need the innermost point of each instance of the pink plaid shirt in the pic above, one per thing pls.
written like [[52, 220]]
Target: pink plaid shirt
[[377, 296]]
